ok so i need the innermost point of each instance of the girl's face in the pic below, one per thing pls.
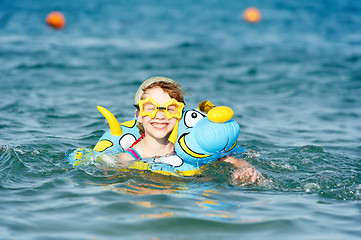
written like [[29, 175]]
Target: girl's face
[[160, 126]]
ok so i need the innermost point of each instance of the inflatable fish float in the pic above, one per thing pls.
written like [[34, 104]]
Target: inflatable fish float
[[204, 135]]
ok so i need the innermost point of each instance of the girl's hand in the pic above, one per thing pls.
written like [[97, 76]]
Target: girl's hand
[[245, 172], [248, 174]]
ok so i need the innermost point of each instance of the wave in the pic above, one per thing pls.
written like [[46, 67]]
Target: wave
[[308, 169], [311, 169]]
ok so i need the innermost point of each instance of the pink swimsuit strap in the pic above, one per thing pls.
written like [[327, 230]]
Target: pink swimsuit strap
[[134, 153]]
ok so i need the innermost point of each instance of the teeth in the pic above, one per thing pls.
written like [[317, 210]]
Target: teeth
[[159, 125]]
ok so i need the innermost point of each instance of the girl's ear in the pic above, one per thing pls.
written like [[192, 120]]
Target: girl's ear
[[139, 119]]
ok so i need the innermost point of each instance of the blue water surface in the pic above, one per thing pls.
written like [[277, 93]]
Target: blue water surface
[[293, 81]]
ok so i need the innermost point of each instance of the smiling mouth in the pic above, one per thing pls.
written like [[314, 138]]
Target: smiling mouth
[[159, 125], [186, 149], [189, 151]]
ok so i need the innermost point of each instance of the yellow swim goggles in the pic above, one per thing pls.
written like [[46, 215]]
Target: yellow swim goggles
[[149, 107]]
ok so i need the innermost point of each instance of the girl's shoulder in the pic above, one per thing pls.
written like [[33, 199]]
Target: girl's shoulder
[[131, 154], [126, 156]]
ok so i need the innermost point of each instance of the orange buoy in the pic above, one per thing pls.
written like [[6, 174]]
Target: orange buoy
[[252, 15], [56, 20]]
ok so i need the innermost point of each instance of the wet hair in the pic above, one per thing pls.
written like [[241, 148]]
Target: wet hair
[[173, 90]]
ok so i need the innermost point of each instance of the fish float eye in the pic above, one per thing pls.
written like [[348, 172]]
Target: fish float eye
[[192, 117]]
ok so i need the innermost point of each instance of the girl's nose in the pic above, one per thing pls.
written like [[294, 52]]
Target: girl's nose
[[160, 115]]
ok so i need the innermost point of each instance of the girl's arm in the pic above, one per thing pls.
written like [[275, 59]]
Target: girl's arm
[[245, 172], [125, 159]]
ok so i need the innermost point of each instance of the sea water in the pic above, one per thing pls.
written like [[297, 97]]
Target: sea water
[[293, 81]]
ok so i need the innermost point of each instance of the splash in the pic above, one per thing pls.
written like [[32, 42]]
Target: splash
[[313, 170]]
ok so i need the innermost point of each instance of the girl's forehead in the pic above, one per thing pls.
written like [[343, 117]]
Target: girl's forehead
[[158, 94]]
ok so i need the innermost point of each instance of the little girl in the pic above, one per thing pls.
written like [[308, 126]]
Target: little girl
[[159, 102]]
